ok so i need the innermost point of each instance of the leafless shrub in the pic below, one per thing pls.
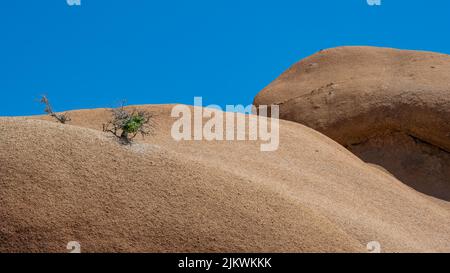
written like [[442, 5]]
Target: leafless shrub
[[63, 118], [126, 125]]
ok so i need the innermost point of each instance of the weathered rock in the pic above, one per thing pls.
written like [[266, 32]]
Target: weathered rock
[[390, 107]]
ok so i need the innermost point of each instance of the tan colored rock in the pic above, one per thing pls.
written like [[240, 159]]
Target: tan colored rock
[[61, 183], [390, 107]]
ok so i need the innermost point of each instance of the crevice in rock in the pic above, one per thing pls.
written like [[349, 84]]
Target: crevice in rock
[[412, 160]]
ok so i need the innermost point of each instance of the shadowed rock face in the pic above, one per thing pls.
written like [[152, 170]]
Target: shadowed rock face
[[390, 107]]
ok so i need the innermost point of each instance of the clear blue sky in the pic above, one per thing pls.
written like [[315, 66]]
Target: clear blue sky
[[149, 51]]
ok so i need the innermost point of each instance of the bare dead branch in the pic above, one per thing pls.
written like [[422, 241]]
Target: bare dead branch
[[62, 118]]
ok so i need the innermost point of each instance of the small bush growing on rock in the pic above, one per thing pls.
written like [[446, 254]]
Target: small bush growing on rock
[[63, 118], [126, 125]]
